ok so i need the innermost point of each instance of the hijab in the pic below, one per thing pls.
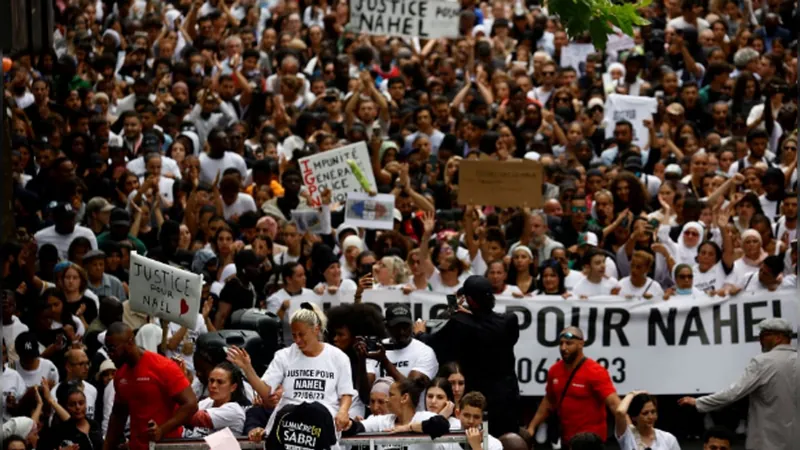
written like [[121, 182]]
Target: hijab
[[686, 254], [761, 256]]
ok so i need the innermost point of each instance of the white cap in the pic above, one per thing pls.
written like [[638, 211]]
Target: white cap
[[589, 238], [398, 216], [595, 102], [673, 169]]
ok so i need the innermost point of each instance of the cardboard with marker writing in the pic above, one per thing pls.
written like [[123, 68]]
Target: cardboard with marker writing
[[164, 291], [500, 183]]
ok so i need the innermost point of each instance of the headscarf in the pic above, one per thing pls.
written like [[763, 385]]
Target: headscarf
[[113, 35], [201, 259], [686, 254], [19, 426], [382, 386], [270, 224], [525, 249], [761, 256], [352, 241], [149, 337]]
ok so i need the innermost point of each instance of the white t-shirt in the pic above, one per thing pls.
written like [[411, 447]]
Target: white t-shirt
[[324, 378], [209, 166], [415, 356], [46, 369], [61, 241], [664, 441], [10, 333], [436, 284], [711, 280], [275, 301], [770, 207], [243, 203], [200, 328], [164, 189], [168, 166], [740, 272], [12, 384], [572, 279], [91, 397], [385, 422], [230, 415], [652, 287], [750, 283], [586, 288]]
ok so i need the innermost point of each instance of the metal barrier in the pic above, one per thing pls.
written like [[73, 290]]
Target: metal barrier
[[371, 440]]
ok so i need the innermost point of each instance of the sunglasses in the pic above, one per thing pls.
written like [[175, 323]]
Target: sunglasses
[[685, 277], [569, 335], [579, 209]]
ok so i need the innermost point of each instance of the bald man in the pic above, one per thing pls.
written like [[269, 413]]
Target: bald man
[[149, 388], [578, 389], [553, 208], [77, 370], [513, 441]]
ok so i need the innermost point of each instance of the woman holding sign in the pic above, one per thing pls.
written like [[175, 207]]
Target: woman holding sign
[[308, 371]]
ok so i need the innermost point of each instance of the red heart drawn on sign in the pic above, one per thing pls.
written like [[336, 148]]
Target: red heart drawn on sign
[[184, 306]]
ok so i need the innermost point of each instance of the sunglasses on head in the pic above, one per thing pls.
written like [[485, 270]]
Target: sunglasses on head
[[569, 335]]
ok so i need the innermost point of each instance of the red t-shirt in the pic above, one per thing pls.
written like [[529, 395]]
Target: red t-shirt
[[148, 389], [584, 408]]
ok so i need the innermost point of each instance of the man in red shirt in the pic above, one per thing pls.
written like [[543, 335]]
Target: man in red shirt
[[590, 391], [150, 388]]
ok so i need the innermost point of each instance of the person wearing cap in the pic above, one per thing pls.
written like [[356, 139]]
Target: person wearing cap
[[64, 231], [98, 214], [770, 382], [578, 389], [119, 231], [31, 366], [482, 342], [406, 357], [101, 283]]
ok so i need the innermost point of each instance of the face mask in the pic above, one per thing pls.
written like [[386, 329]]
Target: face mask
[[681, 291]]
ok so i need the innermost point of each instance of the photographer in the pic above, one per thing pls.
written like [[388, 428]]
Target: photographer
[[482, 342]]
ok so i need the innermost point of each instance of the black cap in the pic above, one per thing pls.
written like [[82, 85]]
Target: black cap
[[62, 210], [397, 314], [120, 216], [150, 142], [246, 258], [633, 163], [478, 288], [26, 345]]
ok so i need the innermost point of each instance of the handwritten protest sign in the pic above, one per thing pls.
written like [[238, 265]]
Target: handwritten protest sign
[[331, 170], [500, 183], [425, 19], [635, 110], [163, 291]]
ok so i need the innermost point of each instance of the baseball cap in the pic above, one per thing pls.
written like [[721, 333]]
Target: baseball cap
[[98, 204], [333, 92], [676, 109], [26, 345], [246, 258], [61, 209], [776, 325], [633, 163], [397, 314], [120, 217], [595, 102], [478, 288], [93, 254], [673, 169], [587, 238]]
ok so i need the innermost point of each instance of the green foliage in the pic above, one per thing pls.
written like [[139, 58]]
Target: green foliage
[[598, 17]]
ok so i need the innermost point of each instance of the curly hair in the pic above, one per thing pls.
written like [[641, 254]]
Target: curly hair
[[360, 318]]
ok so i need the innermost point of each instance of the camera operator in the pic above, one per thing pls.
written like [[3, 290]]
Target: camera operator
[[482, 342]]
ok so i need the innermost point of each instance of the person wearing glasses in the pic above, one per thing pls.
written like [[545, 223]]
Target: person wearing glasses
[[684, 283], [77, 370], [578, 389], [634, 424]]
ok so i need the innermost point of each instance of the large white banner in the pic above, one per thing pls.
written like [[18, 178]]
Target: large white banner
[[163, 291], [681, 346], [424, 19]]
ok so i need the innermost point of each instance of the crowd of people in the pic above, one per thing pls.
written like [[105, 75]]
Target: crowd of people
[[174, 129]]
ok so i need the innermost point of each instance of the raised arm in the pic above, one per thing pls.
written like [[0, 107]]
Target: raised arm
[[428, 224]]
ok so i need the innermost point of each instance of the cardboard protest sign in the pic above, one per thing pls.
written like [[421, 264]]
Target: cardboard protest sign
[[500, 183], [163, 291], [634, 109], [425, 19], [364, 211], [331, 170]]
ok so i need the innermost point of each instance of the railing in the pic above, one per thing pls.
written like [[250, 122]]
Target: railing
[[371, 440]]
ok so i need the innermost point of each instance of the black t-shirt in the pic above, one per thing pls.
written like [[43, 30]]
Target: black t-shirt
[[89, 314], [238, 295], [307, 426]]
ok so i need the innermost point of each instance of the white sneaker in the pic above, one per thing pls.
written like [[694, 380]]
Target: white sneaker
[[708, 422], [742, 428], [557, 445], [541, 434]]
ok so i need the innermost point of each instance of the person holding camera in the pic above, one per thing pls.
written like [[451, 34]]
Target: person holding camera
[[482, 343]]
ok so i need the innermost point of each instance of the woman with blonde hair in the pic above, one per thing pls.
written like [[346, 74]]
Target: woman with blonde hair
[[330, 382], [390, 272]]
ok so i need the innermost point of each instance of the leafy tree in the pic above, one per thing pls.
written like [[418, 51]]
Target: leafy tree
[[598, 17]]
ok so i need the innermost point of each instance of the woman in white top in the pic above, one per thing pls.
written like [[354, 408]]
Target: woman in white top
[[224, 407], [667, 196], [389, 272], [307, 371], [685, 250], [334, 284], [754, 254], [497, 274], [551, 280], [684, 283], [635, 421], [713, 262], [439, 399], [638, 285]]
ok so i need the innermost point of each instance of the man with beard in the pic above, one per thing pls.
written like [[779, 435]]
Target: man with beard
[[578, 389]]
